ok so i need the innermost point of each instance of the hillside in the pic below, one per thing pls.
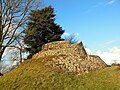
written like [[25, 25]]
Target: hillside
[[34, 75], [62, 66]]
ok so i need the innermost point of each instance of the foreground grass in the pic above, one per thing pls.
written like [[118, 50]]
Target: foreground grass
[[33, 75]]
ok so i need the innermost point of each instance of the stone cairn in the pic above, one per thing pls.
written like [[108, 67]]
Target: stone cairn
[[71, 58]]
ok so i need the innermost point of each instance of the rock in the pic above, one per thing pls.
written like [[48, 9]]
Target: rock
[[71, 58]]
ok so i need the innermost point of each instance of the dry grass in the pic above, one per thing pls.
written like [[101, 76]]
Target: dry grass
[[118, 67], [33, 75]]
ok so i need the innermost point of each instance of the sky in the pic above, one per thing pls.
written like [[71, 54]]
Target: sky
[[95, 22]]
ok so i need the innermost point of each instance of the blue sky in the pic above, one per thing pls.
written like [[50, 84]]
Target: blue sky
[[97, 21]]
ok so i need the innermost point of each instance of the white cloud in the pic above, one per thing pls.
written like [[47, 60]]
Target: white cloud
[[111, 55], [66, 34], [93, 7], [25, 55], [110, 2], [112, 41], [99, 52], [88, 51], [115, 50], [76, 34], [100, 4], [10, 49], [108, 57]]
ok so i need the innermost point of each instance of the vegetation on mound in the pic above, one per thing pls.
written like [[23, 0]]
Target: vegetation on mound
[[34, 75]]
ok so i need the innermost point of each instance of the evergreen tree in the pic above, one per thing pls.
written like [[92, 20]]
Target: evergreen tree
[[41, 29]]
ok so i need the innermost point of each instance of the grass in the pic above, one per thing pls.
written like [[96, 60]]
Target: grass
[[33, 75]]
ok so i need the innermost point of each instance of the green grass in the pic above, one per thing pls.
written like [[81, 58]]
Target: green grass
[[33, 75]]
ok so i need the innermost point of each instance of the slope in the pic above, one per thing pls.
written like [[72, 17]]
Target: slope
[[34, 75]]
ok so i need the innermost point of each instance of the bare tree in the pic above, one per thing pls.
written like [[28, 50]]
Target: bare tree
[[71, 38], [13, 18]]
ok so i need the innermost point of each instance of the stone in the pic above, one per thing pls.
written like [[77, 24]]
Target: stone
[[70, 58]]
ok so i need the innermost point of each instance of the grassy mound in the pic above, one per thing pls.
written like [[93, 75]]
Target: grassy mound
[[34, 75]]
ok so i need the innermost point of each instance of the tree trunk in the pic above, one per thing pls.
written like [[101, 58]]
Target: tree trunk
[[20, 56], [1, 51], [0, 56], [1, 74]]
